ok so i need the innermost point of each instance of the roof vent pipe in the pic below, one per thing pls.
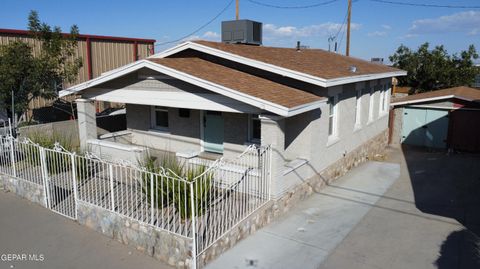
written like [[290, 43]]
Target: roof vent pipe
[[298, 45], [353, 68]]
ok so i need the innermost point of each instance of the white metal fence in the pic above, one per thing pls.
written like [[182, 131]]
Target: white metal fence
[[199, 199]]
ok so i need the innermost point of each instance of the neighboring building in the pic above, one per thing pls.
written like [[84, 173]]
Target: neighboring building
[[477, 81], [99, 53], [318, 110], [448, 118]]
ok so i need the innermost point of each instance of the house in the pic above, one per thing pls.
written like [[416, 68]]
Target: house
[[448, 118], [318, 110]]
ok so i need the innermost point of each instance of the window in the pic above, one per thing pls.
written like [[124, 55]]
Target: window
[[370, 108], [160, 118], [382, 99], [384, 93], [255, 128], [332, 117], [358, 109], [184, 113]]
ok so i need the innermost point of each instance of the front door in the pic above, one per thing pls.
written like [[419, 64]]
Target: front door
[[213, 131]]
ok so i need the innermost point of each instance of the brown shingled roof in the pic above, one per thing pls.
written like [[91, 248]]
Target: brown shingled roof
[[458, 92], [315, 62], [242, 82]]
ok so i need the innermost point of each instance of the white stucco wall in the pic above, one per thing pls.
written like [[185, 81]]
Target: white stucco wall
[[309, 139]]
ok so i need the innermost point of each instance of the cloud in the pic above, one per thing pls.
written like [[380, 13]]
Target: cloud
[[386, 26], [272, 31], [467, 22], [377, 34], [211, 35]]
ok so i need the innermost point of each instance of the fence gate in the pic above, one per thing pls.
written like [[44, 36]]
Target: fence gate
[[60, 185]]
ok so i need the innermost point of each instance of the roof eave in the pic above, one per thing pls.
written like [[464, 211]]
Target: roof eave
[[322, 82], [231, 93], [437, 98]]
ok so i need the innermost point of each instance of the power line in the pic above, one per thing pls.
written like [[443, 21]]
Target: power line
[[424, 5], [292, 7], [199, 28]]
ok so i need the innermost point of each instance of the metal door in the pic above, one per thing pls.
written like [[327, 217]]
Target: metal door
[[425, 127], [213, 131], [413, 132], [436, 128]]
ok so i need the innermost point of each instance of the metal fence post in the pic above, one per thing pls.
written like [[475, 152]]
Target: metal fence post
[[43, 165], [74, 178], [194, 228], [151, 199], [110, 168], [12, 156]]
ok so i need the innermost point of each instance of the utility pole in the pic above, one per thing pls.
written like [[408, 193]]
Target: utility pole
[[237, 12], [348, 27]]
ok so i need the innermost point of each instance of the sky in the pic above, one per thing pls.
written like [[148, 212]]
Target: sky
[[377, 28]]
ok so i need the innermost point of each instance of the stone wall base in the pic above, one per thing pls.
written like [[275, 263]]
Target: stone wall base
[[162, 245], [372, 149], [28, 190]]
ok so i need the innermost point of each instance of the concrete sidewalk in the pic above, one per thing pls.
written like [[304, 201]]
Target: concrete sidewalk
[[29, 229], [305, 236]]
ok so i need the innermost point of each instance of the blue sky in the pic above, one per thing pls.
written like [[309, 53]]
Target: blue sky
[[378, 29]]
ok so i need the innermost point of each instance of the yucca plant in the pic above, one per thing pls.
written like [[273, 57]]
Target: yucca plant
[[172, 179]]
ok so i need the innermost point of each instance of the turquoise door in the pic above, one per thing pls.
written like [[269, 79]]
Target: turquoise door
[[413, 132], [213, 131], [425, 127], [437, 128]]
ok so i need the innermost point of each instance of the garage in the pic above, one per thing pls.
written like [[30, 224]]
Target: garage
[[442, 119], [425, 127]]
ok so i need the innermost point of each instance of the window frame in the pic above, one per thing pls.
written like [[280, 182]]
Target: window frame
[[251, 119], [371, 103], [381, 102], [358, 108], [153, 124], [333, 117]]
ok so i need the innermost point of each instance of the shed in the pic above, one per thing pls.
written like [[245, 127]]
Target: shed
[[448, 118]]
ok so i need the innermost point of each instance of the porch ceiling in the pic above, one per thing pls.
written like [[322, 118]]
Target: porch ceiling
[[200, 101]]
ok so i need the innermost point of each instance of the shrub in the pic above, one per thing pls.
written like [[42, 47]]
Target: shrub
[[172, 184]]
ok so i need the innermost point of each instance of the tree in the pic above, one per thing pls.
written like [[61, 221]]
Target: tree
[[435, 69], [39, 72]]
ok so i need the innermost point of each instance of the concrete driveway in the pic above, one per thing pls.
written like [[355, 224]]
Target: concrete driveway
[[429, 218], [425, 216]]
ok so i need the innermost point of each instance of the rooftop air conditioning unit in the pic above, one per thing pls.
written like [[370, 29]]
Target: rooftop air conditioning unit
[[242, 32]]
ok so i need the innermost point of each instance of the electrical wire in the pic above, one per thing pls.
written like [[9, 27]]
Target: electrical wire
[[199, 28], [424, 5], [292, 7]]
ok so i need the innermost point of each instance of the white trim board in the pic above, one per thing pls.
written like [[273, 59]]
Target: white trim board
[[242, 97], [276, 69]]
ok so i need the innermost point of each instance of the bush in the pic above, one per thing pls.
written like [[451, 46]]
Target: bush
[[56, 162], [172, 184]]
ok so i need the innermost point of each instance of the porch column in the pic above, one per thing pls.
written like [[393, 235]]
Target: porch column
[[87, 124], [273, 134]]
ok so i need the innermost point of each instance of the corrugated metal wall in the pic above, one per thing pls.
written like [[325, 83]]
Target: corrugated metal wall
[[105, 55]]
